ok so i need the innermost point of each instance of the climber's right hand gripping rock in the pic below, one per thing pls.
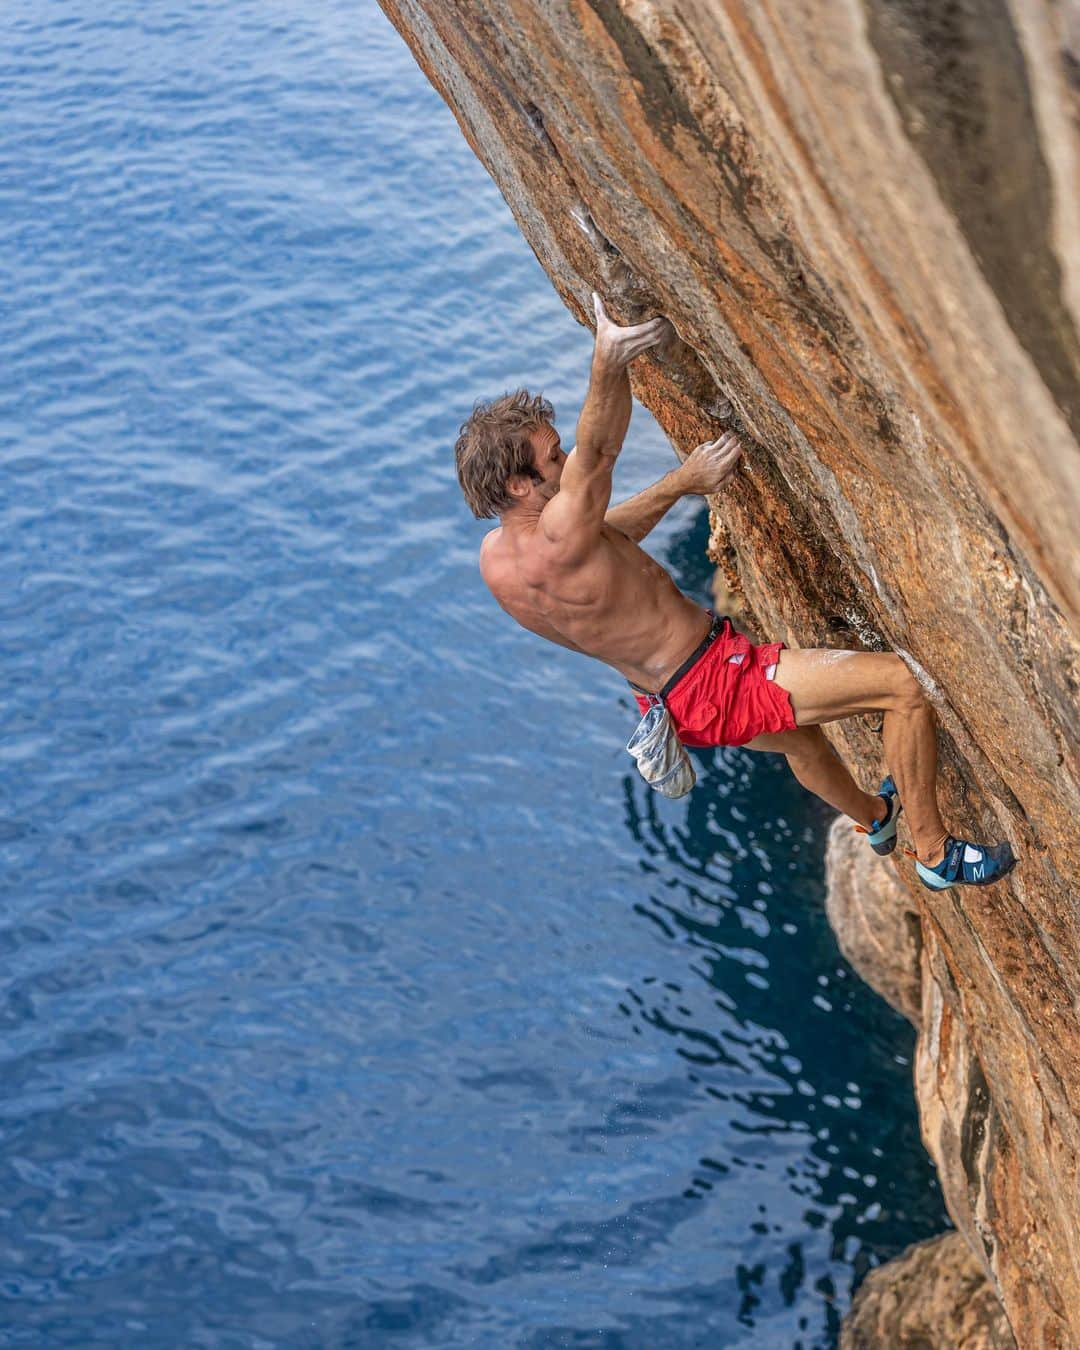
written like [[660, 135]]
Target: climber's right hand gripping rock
[[616, 345]]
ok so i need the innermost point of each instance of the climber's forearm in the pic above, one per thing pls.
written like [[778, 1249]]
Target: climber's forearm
[[636, 516]]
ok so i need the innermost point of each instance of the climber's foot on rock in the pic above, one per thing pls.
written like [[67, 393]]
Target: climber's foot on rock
[[967, 864], [882, 832]]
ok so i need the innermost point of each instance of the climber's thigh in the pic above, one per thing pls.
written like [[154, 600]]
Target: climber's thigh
[[802, 744], [825, 685]]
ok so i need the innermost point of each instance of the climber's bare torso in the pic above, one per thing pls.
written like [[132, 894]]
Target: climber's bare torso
[[615, 603]]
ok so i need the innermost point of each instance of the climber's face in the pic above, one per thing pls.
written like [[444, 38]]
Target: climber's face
[[549, 459]]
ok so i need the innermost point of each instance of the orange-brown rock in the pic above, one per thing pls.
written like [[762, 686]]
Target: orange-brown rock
[[862, 219]]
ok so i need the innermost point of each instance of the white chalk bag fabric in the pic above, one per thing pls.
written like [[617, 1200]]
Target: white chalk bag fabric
[[660, 756]]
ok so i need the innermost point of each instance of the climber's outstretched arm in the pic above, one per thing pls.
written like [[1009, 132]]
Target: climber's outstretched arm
[[574, 516]]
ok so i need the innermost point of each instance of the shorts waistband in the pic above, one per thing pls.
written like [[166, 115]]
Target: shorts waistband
[[718, 621]]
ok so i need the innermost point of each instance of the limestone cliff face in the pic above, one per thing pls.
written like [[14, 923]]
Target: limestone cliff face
[[862, 217]]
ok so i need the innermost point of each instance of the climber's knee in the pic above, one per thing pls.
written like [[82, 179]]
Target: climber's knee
[[906, 694]]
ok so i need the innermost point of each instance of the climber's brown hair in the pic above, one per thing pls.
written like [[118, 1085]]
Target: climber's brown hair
[[493, 445]]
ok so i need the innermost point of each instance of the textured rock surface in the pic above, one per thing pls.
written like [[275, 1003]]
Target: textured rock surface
[[862, 219], [875, 918], [934, 1296]]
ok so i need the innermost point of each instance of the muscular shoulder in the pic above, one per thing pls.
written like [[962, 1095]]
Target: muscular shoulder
[[489, 541], [496, 567], [515, 573]]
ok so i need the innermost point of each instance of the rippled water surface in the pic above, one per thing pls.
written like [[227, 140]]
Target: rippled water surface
[[354, 991]]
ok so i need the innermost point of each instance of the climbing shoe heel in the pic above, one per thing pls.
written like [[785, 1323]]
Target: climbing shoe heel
[[882, 833]]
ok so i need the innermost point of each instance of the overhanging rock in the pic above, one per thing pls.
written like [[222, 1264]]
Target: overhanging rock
[[862, 220]]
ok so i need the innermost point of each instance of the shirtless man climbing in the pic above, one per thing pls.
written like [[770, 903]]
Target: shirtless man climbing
[[566, 564]]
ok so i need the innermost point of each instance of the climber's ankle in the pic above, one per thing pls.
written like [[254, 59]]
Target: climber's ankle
[[878, 812], [933, 851]]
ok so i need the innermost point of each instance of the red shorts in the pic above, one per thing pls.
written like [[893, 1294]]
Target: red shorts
[[725, 698]]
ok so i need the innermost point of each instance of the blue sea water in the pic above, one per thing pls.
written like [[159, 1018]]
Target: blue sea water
[[353, 989]]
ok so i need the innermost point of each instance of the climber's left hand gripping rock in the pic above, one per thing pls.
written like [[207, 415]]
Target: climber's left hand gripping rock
[[708, 466]]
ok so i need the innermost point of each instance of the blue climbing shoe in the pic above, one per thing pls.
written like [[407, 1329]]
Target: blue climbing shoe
[[882, 833], [967, 864]]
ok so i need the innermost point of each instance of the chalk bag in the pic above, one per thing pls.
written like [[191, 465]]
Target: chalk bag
[[660, 756]]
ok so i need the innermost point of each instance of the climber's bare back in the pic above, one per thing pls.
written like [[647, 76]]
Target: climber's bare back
[[613, 602]]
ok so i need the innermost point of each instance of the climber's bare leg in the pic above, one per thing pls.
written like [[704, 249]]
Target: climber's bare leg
[[816, 765], [825, 686]]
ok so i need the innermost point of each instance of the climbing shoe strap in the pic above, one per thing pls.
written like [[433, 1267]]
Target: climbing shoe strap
[[968, 864]]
